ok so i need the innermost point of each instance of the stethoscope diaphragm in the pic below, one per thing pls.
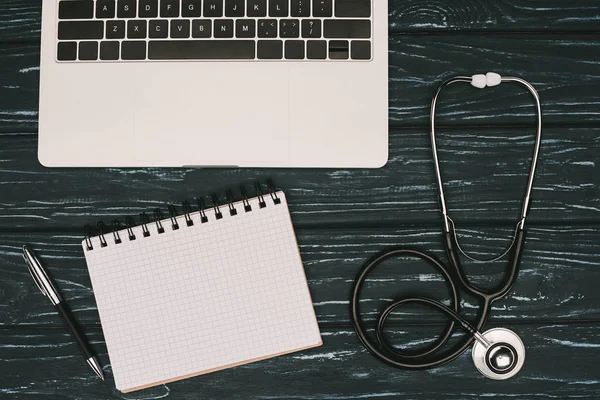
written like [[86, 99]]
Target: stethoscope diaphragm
[[498, 353]]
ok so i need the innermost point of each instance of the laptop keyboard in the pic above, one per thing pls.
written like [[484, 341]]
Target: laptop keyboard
[[158, 30]]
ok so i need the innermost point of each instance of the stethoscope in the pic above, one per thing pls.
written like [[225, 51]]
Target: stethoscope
[[497, 353]]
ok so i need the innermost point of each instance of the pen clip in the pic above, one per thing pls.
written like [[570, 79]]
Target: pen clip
[[30, 269]]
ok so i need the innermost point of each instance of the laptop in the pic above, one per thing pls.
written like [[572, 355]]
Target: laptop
[[214, 83]]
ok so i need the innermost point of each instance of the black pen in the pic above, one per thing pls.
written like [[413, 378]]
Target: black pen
[[45, 285]]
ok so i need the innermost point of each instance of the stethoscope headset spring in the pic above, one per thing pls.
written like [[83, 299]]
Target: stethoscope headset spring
[[497, 353]]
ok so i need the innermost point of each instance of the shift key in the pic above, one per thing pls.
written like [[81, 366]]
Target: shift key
[[79, 9], [73, 30], [347, 28], [353, 8]]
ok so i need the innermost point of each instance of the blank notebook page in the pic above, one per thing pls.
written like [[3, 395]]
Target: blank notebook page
[[203, 297]]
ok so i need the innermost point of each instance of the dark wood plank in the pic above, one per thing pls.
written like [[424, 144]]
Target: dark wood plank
[[418, 64], [43, 362], [485, 171], [19, 87], [418, 16], [549, 284], [21, 19]]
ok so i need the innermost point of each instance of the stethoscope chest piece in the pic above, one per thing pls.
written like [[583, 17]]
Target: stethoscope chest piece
[[498, 353]]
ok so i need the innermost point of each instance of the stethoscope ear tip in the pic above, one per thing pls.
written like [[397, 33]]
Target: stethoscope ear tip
[[488, 80], [499, 353]]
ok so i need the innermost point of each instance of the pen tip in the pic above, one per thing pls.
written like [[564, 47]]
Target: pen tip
[[96, 367]]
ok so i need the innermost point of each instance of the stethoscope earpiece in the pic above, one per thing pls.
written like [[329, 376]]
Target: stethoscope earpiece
[[498, 353]]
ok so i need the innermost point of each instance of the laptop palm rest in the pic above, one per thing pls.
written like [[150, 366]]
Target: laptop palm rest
[[177, 122]]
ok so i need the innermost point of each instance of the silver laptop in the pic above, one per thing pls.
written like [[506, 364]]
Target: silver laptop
[[253, 83]]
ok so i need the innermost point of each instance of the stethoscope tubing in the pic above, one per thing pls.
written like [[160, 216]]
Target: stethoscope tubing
[[385, 352], [394, 357], [534, 157]]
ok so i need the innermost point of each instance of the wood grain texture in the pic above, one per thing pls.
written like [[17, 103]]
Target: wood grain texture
[[45, 364], [403, 192], [20, 20], [422, 16], [344, 217], [418, 64], [549, 285]]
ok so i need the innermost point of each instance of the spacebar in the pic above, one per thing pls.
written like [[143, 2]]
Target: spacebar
[[201, 49]]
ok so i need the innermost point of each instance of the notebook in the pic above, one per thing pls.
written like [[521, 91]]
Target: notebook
[[218, 288]]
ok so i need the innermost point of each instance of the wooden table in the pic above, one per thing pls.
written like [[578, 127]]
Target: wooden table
[[344, 217]]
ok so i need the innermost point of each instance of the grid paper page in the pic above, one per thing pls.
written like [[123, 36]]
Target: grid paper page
[[204, 297]]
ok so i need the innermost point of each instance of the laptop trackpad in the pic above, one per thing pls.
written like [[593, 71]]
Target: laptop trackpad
[[219, 116]]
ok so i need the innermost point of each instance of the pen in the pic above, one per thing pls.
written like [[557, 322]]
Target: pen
[[42, 280]]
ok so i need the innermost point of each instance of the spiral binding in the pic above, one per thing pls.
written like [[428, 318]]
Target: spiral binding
[[173, 216], [187, 211], [201, 210], [230, 201], [88, 237], [157, 218], [247, 206], [144, 222], [259, 194], [130, 223], [215, 200], [273, 191], [116, 227], [102, 229]]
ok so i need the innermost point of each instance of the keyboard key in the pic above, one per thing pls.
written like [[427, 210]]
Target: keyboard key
[[361, 50], [294, 49], [133, 50], [270, 49], [311, 28], [213, 8], [257, 8], [109, 50], [245, 28], [67, 51], [88, 51], [78, 9], [105, 9], [126, 8], [353, 8], [224, 28], [136, 29], [322, 8], [279, 8], [169, 8], [267, 28], [191, 8], [159, 29], [235, 8], [201, 49], [115, 29], [316, 49], [347, 28], [339, 49], [148, 8], [180, 28], [289, 28], [70, 30], [201, 28], [301, 8]]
